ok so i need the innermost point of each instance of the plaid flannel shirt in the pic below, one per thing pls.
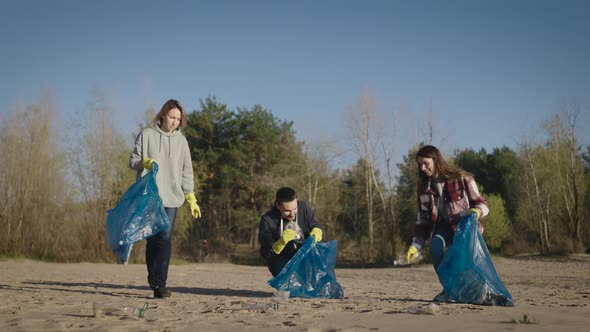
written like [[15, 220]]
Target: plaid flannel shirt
[[459, 195]]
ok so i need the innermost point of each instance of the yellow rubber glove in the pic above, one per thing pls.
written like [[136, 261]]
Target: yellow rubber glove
[[147, 163], [316, 233], [413, 252], [476, 211], [280, 244], [192, 201]]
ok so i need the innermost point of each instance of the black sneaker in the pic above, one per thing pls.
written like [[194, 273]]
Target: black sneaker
[[162, 292]]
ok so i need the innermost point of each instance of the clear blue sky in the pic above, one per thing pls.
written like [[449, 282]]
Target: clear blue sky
[[491, 69]]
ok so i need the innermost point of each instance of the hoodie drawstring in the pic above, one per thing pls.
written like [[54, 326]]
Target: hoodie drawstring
[[162, 137]]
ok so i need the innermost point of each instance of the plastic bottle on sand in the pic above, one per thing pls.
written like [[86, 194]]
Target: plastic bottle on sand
[[260, 306], [431, 309], [280, 297], [109, 309]]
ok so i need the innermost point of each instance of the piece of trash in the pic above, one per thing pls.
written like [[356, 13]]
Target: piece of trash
[[430, 309], [403, 261], [260, 306], [110, 309], [281, 297]]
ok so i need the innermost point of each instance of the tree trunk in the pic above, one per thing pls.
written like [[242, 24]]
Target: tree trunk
[[543, 227]]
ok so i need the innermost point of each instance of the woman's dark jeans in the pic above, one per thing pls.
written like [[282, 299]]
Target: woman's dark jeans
[[158, 252], [441, 240]]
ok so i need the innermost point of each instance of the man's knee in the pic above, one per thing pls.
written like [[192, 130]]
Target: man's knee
[[276, 265], [275, 269]]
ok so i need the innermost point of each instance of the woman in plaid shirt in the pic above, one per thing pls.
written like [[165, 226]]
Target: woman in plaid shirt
[[445, 195]]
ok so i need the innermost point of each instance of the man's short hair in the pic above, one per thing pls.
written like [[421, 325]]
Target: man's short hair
[[285, 194]]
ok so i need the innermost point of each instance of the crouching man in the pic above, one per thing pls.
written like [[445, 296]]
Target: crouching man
[[284, 228]]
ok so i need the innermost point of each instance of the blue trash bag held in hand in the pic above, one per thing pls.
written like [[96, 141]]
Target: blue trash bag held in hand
[[467, 272], [310, 273], [138, 215]]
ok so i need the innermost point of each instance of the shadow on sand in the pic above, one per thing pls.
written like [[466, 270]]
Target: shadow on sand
[[119, 290]]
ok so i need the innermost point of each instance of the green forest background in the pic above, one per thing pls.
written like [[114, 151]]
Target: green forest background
[[58, 181]]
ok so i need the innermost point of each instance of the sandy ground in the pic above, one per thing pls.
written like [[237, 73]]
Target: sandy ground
[[550, 294]]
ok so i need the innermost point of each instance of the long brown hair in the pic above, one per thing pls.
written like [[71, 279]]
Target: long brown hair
[[169, 105], [442, 169]]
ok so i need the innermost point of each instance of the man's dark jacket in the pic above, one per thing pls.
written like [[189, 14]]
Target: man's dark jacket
[[270, 230]]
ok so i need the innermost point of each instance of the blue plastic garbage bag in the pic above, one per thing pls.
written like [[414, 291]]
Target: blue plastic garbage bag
[[138, 215], [310, 273], [467, 272]]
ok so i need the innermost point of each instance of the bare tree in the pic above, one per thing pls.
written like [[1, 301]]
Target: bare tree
[[32, 181], [318, 174], [569, 170], [319, 181], [576, 173], [433, 133], [430, 122], [365, 134], [100, 166], [388, 148], [537, 195]]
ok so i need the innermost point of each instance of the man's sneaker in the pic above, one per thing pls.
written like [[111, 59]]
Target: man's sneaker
[[162, 292]]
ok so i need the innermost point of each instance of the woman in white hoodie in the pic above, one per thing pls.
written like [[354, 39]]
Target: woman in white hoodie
[[164, 144]]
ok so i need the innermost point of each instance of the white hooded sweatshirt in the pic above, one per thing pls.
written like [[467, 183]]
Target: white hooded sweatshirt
[[172, 154]]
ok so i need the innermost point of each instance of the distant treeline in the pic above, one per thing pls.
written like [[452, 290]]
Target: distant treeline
[[58, 180]]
